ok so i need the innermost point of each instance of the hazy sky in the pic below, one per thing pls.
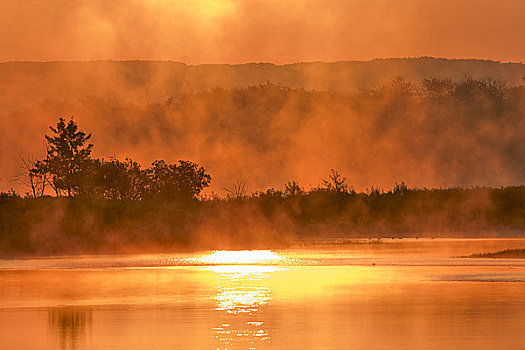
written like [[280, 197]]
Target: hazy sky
[[280, 31]]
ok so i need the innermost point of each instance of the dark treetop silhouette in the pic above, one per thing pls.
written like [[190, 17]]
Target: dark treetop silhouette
[[69, 169]]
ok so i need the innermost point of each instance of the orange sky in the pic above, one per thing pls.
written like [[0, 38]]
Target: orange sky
[[280, 31]]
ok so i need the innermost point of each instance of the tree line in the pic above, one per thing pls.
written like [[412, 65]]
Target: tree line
[[114, 206], [455, 133], [68, 169]]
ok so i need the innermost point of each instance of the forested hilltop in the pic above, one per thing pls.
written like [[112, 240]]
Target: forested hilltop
[[25, 83]]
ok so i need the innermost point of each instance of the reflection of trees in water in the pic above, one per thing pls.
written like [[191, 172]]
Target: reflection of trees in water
[[69, 324], [242, 298]]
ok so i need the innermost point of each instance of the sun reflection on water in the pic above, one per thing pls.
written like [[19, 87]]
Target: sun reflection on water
[[242, 257], [243, 296], [243, 290]]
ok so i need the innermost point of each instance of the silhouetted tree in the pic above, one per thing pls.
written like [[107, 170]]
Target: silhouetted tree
[[32, 176], [292, 189], [121, 180], [336, 182], [238, 189], [184, 180], [68, 153]]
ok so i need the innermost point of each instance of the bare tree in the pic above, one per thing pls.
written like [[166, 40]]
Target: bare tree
[[30, 175], [238, 189]]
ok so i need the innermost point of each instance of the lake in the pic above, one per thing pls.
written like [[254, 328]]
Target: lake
[[331, 294]]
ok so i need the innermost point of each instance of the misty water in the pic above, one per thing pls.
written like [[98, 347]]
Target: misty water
[[330, 294]]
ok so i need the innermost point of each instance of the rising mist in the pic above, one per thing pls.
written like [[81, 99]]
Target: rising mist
[[430, 133]]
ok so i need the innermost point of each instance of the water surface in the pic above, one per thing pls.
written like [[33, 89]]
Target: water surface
[[398, 294]]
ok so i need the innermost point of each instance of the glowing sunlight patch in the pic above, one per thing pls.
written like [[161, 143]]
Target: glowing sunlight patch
[[242, 300], [243, 270], [244, 257]]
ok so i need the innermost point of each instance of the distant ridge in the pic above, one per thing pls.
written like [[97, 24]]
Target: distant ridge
[[23, 84]]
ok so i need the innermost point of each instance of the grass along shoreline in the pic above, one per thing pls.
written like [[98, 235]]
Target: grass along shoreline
[[504, 254]]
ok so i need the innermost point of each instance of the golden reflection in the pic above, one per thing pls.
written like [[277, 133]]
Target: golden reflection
[[70, 325], [235, 300], [242, 298], [242, 257]]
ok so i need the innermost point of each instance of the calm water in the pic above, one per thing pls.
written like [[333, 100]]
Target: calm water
[[399, 294]]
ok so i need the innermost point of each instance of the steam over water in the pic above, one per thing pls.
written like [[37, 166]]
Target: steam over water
[[396, 294]]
